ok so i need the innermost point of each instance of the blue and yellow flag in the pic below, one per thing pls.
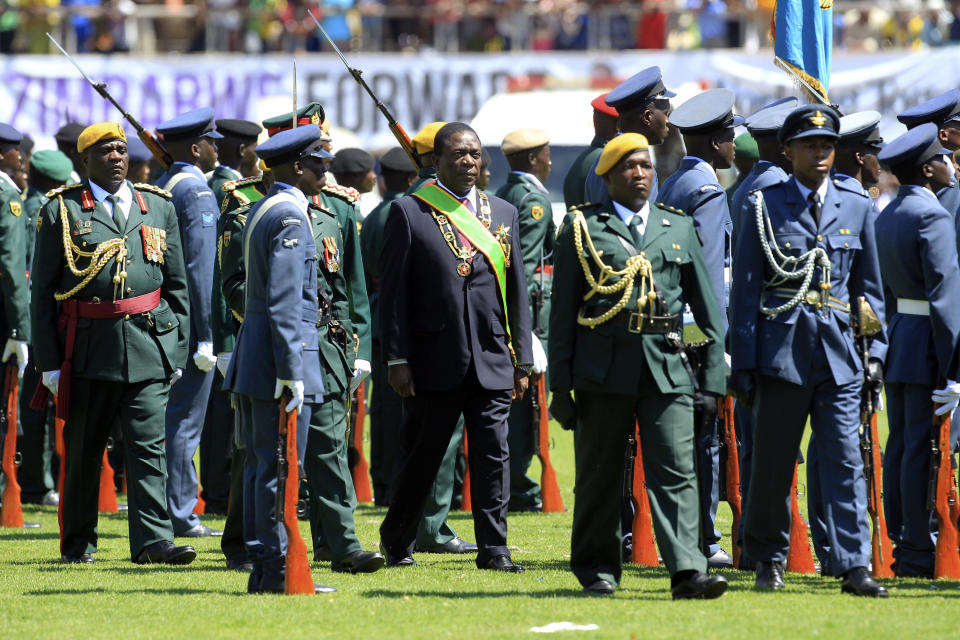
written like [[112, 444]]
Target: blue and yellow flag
[[803, 42]]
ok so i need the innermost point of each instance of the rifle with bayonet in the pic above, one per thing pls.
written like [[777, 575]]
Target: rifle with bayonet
[[297, 577], [161, 154], [357, 74], [11, 512], [942, 499], [552, 501]]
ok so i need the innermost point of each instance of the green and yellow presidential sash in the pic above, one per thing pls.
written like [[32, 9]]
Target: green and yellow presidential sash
[[495, 246]]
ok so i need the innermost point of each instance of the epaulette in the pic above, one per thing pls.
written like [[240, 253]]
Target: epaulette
[[580, 207], [57, 191], [230, 185], [349, 194], [843, 184], [664, 205], [152, 188]]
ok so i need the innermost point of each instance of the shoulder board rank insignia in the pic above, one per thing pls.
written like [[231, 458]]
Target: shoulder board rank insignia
[[16, 208], [154, 243], [349, 194], [708, 188], [536, 211], [331, 254], [59, 190], [152, 188]]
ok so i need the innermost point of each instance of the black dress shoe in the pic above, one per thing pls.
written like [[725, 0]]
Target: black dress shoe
[[698, 585], [599, 587], [360, 562], [200, 531], [165, 552], [720, 560], [501, 562], [322, 554], [397, 560], [83, 558], [239, 564], [456, 545], [859, 582], [769, 575]]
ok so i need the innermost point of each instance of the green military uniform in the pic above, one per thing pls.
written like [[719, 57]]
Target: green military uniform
[[536, 242], [622, 377], [425, 175], [573, 182], [332, 495], [33, 200], [120, 364], [220, 176], [386, 407], [237, 193], [13, 273]]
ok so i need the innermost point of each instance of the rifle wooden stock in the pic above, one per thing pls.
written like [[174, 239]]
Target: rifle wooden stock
[[297, 564], [800, 557], [466, 503], [201, 507], [11, 513], [360, 470], [732, 469], [107, 501], [550, 491], [148, 139], [644, 548], [881, 547], [59, 445], [946, 507]]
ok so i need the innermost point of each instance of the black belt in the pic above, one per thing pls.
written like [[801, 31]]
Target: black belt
[[637, 322]]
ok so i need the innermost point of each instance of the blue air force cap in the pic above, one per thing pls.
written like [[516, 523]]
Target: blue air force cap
[[940, 110], [192, 124], [709, 111], [913, 148], [767, 120], [810, 120], [138, 151], [292, 144], [637, 90], [861, 128], [9, 135]]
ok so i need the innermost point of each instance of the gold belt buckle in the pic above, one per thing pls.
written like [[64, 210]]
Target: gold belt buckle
[[812, 297], [636, 322]]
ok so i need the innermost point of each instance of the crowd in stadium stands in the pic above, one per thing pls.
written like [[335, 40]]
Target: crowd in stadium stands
[[254, 26]]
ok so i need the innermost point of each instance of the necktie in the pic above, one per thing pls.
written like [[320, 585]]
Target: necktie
[[636, 230], [467, 245], [814, 201], [118, 217]]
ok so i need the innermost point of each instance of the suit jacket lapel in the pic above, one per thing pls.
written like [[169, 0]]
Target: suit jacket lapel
[[830, 210], [618, 227], [103, 212], [656, 226]]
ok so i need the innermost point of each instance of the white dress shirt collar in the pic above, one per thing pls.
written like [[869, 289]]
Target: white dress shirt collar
[[627, 214], [124, 197], [9, 180]]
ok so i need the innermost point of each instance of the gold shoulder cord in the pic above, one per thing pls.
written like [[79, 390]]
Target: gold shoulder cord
[[637, 265], [99, 257]]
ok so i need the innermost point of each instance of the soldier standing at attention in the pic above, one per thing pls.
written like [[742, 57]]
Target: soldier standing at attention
[[236, 154], [707, 124], [276, 347], [386, 407], [623, 271], [49, 169], [189, 138], [921, 278], [605, 129], [943, 111], [15, 323], [745, 156], [643, 103], [124, 337], [808, 255], [66, 139], [528, 153]]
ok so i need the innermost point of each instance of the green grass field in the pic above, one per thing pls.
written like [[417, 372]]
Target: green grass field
[[445, 597]]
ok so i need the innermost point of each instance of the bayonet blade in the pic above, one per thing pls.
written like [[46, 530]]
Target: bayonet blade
[[72, 61], [294, 94], [329, 39]]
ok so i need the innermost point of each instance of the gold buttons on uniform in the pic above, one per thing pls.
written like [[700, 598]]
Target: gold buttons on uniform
[[846, 244], [169, 324], [679, 260], [126, 317], [129, 289], [819, 238], [786, 245]]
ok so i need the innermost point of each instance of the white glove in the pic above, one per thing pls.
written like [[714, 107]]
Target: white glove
[[296, 388], [176, 375], [539, 355], [18, 348], [51, 380], [223, 361], [204, 358], [361, 371], [948, 397]]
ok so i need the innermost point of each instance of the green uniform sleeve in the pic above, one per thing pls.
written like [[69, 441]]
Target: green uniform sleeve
[[356, 282], [224, 328], [44, 276], [230, 258], [13, 273], [174, 288], [565, 304]]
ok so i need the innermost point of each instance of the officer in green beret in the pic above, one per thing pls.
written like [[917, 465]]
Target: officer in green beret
[[528, 153], [620, 352]]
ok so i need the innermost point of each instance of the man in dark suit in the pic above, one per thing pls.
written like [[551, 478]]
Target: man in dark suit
[[455, 328]]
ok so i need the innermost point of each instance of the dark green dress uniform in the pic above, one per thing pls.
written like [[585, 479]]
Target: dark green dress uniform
[[332, 495], [120, 365], [386, 407], [15, 316], [621, 376], [425, 175], [221, 175], [536, 242], [573, 183], [33, 200], [237, 193]]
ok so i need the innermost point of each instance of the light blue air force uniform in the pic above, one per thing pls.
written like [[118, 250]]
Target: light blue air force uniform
[[919, 265], [197, 214], [808, 365], [277, 340]]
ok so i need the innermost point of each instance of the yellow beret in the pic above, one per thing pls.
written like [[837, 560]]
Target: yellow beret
[[617, 148], [423, 141], [523, 139], [97, 132]]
